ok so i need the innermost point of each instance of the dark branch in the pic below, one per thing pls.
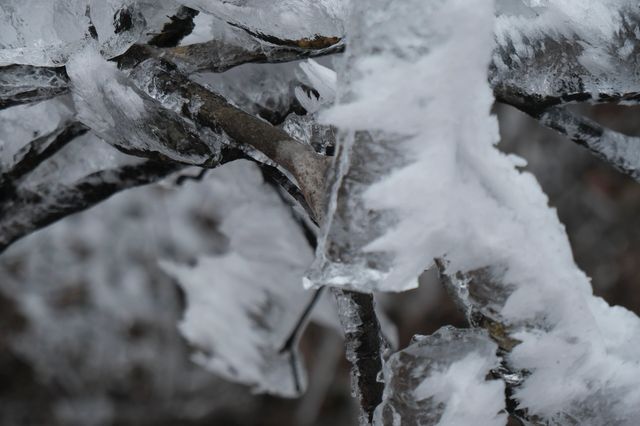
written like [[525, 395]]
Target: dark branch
[[274, 175], [180, 180], [301, 324], [317, 42], [364, 346], [39, 150], [20, 84], [32, 209]]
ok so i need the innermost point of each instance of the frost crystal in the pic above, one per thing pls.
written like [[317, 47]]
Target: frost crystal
[[244, 303], [401, 125], [442, 380]]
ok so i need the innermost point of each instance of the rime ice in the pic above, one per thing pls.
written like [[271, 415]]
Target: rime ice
[[442, 380], [243, 304], [419, 178]]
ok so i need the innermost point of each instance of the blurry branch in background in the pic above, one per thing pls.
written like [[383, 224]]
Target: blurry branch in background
[[22, 84], [28, 210], [37, 151], [620, 151]]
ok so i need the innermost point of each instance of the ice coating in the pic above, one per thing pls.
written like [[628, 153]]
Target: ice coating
[[285, 19], [47, 33], [40, 83], [559, 48], [119, 112], [265, 90], [442, 380], [19, 125]]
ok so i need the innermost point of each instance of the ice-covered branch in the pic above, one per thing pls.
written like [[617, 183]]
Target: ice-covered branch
[[21, 84], [617, 149], [364, 345], [31, 209], [162, 81], [219, 56], [556, 52], [39, 150]]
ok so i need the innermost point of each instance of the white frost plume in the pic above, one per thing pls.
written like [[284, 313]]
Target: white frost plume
[[420, 88], [442, 380], [244, 303], [420, 91]]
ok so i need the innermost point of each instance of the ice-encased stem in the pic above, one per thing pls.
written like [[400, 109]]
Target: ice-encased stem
[[364, 346]]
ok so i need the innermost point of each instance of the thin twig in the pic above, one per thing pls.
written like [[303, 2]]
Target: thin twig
[[302, 322]]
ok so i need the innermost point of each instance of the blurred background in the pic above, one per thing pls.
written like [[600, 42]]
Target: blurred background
[[88, 331]]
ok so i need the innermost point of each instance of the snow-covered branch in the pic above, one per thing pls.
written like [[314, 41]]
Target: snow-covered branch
[[566, 52]]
